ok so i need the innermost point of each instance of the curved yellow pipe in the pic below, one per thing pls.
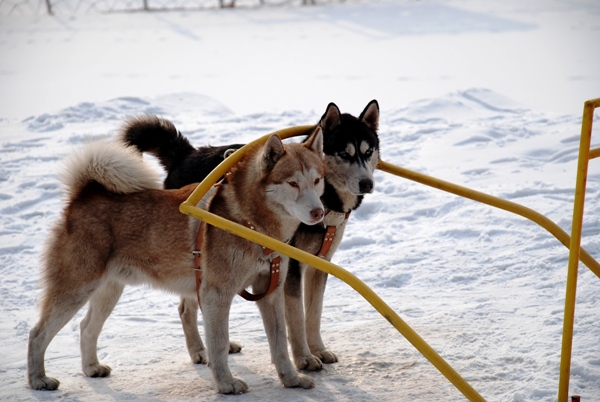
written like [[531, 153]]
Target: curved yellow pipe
[[231, 160], [351, 280], [575, 250], [506, 205], [189, 207]]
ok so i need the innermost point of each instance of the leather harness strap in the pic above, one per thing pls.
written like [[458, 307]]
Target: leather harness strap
[[275, 262], [274, 269], [197, 259], [329, 237]]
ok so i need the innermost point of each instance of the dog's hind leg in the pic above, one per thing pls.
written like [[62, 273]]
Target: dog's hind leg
[[101, 304], [59, 305], [188, 312], [272, 311], [314, 290], [294, 316]]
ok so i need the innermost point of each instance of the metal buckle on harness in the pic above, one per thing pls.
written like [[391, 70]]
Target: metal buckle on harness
[[271, 257], [228, 153]]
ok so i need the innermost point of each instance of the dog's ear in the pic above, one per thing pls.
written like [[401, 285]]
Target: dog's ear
[[370, 116], [331, 118], [272, 152], [315, 141]]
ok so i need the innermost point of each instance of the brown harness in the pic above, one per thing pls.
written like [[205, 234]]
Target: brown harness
[[275, 262], [329, 237], [274, 269]]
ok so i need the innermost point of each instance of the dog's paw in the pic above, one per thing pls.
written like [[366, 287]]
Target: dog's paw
[[309, 363], [199, 357], [97, 370], [234, 386], [326, 356], [234, 347], [299, 381], [44, 383]]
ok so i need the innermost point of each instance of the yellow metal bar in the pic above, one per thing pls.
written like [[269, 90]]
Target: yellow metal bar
[[510, 206], [574, 249], [189, 207], [518, 209], [326, 266], [594, 153], [224, 166]]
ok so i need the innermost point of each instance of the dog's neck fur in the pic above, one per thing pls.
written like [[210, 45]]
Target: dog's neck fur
[[338, 198]]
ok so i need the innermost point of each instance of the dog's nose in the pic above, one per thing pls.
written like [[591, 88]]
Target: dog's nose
[[317, 214], [365, 186]]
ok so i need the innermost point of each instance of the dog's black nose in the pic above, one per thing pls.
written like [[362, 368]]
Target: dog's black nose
[[365, 186], [317, 213]]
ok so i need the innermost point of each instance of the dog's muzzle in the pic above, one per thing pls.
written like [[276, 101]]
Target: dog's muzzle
[[365, 186]]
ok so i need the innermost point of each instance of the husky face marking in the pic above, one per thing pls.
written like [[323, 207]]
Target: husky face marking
[[350, 150], [364, 147], [351, 156], [297, 185], [355, 170]]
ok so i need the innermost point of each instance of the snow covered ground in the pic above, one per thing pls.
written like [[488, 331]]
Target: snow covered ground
[[486, 94]]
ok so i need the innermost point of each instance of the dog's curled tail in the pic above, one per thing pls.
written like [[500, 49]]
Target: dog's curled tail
[[118, 168], [159, 137]]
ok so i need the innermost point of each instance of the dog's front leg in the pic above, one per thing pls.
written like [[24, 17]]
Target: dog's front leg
[[216, 303], [314, 290], [273, 315], [188, 312], [294, 317]]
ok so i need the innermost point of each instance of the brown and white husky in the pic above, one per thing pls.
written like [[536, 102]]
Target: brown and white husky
[[119, 228], [351, 148]]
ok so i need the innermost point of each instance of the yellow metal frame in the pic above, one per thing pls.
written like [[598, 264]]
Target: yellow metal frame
[[573, 243], [575, 250]]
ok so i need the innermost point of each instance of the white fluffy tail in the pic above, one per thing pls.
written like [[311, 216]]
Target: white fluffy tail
[[118, 168]]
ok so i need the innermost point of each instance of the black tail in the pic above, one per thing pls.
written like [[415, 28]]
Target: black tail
[[159, 137]]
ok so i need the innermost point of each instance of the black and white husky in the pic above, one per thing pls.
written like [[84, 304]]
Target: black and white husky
[[351, 148]]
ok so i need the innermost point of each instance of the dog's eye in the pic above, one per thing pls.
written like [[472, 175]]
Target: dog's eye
[[317, 181], [344, 155], [369, 153], [293, 184]]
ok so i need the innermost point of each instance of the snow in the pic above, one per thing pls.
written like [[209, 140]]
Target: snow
[[486, 94]]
